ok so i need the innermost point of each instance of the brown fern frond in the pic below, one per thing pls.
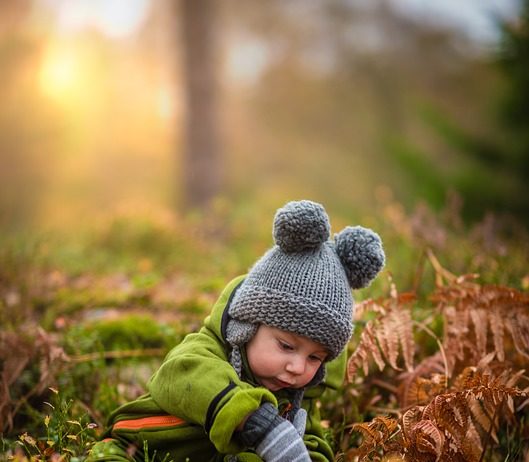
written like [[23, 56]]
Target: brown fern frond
[[418, 392], [411, 418], [384, 337], [432, 367], [488, 394], [372, 346], [360, 357], [368, 344], [471, 445], [376, 437], [393, 457], [388, 339], [369, 434], [449, 413], [422, 391], [479, 319], [493, 413], [369, 306], [455, 335], [517, 326], [479, 414], [426, 439], [387, 425], [461, 395], [497, 329], [404, 326], [464, 418], [493, 312], [456, 419], [485, 361], [361, 452], [512, 378], [478, 378]]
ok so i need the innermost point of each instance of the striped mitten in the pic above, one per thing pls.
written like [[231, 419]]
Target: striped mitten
[[283, 444], [274, 439], [300, 421]]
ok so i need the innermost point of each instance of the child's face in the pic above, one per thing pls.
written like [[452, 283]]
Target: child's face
[[280, 359]]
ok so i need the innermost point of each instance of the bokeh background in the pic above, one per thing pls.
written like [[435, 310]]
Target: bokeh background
[[346, 102], [146, 144]]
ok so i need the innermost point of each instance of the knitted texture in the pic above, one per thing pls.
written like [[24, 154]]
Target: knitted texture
[[263, 420], [303, 283], [258, 424], [237, 334], [282, 443], [360, 250], [300, 421]]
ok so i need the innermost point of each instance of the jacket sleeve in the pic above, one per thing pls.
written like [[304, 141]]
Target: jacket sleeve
[[319, 447], [197, 383]]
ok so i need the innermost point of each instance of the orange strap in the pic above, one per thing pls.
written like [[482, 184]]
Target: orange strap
[[149, 422]]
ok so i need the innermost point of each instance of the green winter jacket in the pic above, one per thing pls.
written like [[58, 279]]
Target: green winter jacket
[[195, 402]]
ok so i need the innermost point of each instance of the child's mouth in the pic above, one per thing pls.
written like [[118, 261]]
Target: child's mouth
[[283, 384]]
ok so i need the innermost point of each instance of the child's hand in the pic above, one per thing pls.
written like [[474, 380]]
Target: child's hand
[[274, 438], [300, 421], [283, 444]]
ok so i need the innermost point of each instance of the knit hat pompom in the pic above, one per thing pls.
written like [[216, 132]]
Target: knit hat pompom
[[301, 226], [361, 253]]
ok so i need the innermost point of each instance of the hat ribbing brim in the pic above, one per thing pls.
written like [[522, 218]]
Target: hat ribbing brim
[[257, 304]]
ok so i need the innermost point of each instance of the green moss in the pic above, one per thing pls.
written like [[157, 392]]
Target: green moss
[[132, 332]]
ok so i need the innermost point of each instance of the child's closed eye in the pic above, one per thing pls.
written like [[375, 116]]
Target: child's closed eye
[[285, 346]]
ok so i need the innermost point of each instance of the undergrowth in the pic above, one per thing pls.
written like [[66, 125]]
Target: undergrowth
[[466, 402], [64, 434], [436, 372]]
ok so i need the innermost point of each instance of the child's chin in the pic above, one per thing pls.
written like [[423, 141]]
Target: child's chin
[[271, 384]]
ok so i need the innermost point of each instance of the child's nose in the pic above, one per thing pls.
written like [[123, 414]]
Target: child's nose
[[296, 365]]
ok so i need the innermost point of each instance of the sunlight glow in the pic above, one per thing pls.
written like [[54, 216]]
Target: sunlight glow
[[60, 73], [165, 104]]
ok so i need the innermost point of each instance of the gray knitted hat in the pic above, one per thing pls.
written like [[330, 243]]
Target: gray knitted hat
[[303, 284]]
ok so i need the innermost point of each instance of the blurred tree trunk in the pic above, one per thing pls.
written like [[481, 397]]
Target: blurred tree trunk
[[22, 128], [202, 152], [13, 14]]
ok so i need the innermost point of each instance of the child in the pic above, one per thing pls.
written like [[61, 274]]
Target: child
[[245, 387]]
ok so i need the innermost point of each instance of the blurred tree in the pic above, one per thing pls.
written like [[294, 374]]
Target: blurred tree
[[493, 172], [202, 153], [345, 81], [21, 122], [12, 14], [514, 60], [486, 163], [364, 88]]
